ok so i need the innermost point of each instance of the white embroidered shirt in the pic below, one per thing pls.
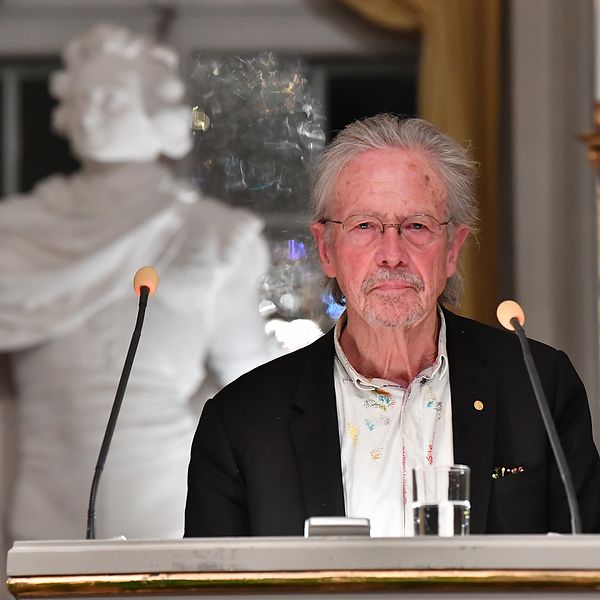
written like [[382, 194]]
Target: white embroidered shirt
[[387, 430]]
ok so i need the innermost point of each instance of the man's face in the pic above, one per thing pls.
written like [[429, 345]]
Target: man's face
[[389, 282], [107, 119]]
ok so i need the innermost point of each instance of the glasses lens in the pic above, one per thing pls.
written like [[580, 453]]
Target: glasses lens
[[420, 230], [362, 230]]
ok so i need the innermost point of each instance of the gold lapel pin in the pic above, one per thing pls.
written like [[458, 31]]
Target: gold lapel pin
[[478, 405]]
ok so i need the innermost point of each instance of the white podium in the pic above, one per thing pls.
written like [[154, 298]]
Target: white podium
[[349, 567]]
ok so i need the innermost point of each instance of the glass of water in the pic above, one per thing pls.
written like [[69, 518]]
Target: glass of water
[[441, 500]]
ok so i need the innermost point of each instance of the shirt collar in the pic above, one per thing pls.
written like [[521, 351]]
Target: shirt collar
[[438, 369]]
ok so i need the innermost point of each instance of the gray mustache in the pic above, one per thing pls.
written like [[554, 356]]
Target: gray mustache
[[382, 276]]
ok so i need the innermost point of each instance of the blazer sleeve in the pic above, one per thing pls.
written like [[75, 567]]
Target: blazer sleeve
[[573, 424], [216, 503]]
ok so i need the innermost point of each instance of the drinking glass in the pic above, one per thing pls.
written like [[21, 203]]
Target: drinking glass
[[441, 500]]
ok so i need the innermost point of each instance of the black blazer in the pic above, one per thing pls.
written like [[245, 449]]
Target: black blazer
[[266, 454]]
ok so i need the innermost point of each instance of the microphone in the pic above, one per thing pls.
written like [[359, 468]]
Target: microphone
[[511, 316], [145, 283]]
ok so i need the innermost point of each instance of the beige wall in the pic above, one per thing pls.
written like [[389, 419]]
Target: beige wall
[[554, 211]]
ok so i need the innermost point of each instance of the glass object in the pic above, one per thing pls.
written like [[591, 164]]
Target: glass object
[[441, 503]]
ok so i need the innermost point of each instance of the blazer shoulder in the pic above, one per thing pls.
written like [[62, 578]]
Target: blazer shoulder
[[490, 337]]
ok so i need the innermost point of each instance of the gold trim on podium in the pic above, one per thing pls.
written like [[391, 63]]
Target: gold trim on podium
[[301, 582]]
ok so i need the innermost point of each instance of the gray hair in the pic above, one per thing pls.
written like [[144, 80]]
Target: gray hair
[[451, 160]]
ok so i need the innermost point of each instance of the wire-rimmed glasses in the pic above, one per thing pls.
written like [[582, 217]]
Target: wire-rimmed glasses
[[362, 230]]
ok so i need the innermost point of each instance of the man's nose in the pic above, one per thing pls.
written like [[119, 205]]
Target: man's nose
[[392, 251]]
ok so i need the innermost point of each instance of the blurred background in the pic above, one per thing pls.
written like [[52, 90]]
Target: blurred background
[[514, 79]]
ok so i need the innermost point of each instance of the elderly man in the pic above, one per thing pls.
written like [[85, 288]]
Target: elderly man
[[335, 428]]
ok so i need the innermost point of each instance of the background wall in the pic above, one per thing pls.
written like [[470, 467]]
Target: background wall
[[551, 187]]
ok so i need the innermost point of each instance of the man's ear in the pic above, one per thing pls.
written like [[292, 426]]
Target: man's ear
[[457, 242], [319, 233]]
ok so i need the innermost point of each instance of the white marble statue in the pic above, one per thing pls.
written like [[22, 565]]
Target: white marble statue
[[68, 252]]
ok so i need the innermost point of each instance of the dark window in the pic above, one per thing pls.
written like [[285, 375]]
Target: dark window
[[355, 88], [43, 151], [26, 107]]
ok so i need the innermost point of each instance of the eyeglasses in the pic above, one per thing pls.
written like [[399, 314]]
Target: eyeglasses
[[418, 230]]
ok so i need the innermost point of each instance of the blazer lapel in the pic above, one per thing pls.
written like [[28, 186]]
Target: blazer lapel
[[473, 391], [315, 434]]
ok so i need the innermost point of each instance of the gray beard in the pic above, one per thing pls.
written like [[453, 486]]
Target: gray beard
[[374, 315], [386, 318]]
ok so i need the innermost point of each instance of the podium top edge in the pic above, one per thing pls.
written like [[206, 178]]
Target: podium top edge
[[39, 558]]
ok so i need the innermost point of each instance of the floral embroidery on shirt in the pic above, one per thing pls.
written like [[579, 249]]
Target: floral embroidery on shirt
[[353, 433], [376, 453], [399, 428], [429, 456], [433, 402], [381, 401], [437, 406]]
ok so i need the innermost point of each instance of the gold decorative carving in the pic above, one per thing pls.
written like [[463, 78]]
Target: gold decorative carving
[[592, 139]]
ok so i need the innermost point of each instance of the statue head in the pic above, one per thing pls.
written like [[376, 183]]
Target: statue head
[[120, 98]]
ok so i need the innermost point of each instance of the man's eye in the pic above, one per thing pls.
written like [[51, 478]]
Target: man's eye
[[416, 226], [365, 225]]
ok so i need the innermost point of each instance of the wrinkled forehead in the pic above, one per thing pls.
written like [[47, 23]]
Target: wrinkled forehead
[[389, 171], [381, 164]]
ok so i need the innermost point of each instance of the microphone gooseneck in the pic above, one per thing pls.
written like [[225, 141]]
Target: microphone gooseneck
[[505, 310], [144, 289]]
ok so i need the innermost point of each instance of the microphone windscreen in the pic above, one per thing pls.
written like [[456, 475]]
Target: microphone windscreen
[[146, 276], [508, 310]]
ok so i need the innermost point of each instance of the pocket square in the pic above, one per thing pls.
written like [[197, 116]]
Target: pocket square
[[500, 472]]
